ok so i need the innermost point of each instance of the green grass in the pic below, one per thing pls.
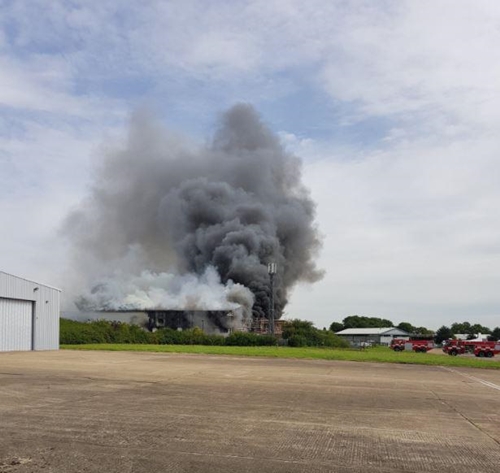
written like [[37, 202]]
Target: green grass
[[377, 355]]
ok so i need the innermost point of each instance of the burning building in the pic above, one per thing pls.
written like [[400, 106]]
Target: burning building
[[170, 226], [210, 321], [221, 322]]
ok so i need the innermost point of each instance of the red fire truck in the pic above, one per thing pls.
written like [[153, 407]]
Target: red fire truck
[[487, 349], [478, 348], [459, 347], [416, 345]]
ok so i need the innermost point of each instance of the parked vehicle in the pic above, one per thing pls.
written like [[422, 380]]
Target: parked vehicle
[[454, 347], [487, 349], [418, 346], [478, 348]]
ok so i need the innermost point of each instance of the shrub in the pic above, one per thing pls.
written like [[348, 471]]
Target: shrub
[[72, 332], [125, 333], [302, 333], [214, 340], [244, 339], [330, 340], [267, 340], [297, 341], [168, 336], [101, 331], [194, 336]]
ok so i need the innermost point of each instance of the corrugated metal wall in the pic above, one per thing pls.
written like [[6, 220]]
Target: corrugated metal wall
[[46, 301], [16, 324]]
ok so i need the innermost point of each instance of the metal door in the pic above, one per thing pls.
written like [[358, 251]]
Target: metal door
[[16, 325]]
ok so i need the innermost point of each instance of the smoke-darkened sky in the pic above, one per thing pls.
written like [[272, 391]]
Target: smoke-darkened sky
[[392, 106]]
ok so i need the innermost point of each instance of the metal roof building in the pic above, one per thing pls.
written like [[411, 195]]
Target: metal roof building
[[29, 314], [382, 336]]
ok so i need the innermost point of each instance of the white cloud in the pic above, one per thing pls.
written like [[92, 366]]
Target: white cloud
[[44, 174], [428, 57], [410, 234], [404, 58], [410, 217]]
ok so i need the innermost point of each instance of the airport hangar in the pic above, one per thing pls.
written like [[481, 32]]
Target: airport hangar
[[29, 314]]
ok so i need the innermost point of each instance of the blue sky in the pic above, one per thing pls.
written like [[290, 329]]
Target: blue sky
[[393, 106]]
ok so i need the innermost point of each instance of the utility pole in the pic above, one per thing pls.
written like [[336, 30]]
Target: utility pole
[[271, 269]]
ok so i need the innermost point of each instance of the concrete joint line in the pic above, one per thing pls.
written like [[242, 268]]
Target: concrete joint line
[[473, 378], [461, 414]]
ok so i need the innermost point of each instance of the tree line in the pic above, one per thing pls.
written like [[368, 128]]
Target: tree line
[[445, 332]]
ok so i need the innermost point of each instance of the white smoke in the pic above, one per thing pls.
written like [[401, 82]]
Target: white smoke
[[168, 291]]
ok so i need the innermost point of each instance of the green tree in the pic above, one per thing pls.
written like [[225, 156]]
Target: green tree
[[495, 334], [336, 326], [443, 333], [297, 327], [468, 328], [423, 331], [304, 333], [461, 327], [407, 327], [356, 321], [478, 328]]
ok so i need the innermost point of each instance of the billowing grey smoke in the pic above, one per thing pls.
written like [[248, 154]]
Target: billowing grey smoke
[[161, 206]]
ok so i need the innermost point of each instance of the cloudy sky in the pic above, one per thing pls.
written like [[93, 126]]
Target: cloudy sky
[[394, 107]]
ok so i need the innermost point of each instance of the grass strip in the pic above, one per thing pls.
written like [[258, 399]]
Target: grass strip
[[376, 355]]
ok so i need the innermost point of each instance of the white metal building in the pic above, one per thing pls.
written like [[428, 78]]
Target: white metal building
[[480, 337], [382, 336], [29, 314]]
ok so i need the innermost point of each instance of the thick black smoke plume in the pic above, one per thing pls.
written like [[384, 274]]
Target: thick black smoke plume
[[160, 206]]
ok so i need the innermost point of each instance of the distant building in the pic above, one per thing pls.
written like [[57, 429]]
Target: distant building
[[480, 337], [210, 321], [376, 336]]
